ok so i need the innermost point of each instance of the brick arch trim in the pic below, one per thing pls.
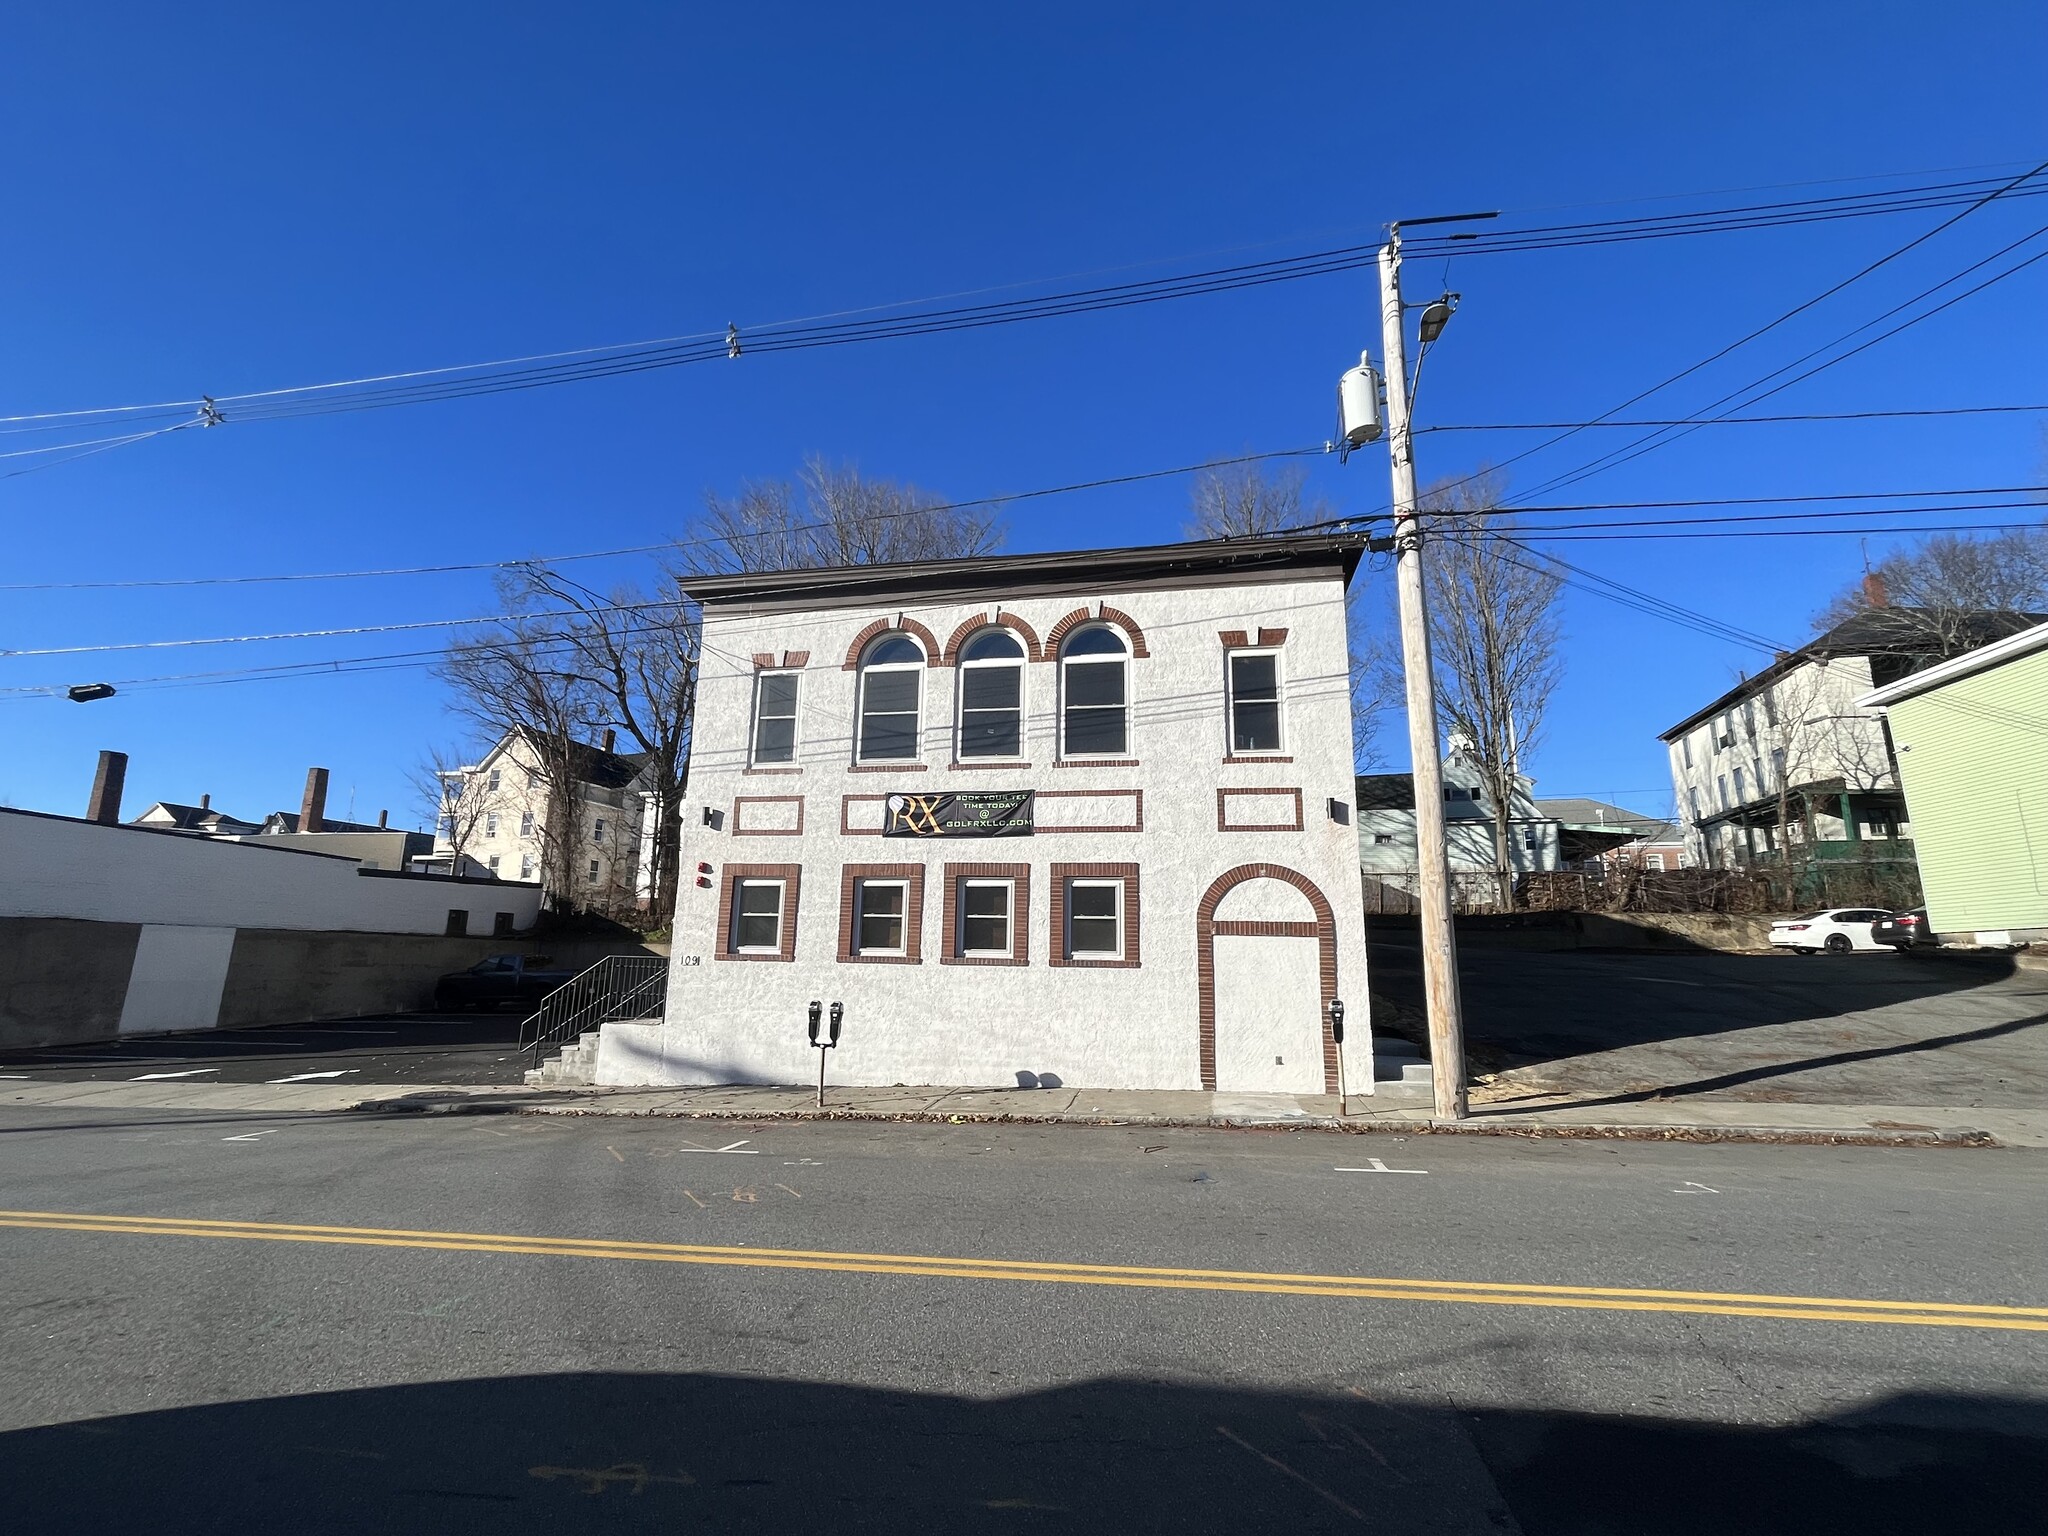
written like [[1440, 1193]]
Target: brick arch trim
[[1325, 933], [905, 623], [1073, 621], [1003, 620]]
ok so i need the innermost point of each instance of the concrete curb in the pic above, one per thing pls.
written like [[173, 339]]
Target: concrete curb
[[1526, 1126]]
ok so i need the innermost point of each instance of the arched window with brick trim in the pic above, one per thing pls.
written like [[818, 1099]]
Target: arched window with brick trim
[[992, 696], [891, 693], [1095, 693]]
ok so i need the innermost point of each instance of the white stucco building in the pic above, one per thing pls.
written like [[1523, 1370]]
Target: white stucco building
[[1160, 739]]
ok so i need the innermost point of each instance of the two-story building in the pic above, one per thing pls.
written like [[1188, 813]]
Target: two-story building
[[1081, 817]]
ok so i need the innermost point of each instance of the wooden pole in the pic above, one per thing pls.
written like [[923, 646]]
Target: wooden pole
[[1439, 942]]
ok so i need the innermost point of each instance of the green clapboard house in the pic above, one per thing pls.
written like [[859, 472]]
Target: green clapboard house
[[1971, 735]]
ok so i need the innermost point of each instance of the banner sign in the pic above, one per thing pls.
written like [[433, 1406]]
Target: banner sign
[[999, 813]]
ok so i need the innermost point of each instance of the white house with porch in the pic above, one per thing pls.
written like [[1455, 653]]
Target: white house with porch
[[1082, 818]]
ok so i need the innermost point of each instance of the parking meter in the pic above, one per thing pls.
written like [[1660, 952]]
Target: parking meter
[[838, 1013], [817, 1009], [830, 1042], [1337, 1039]]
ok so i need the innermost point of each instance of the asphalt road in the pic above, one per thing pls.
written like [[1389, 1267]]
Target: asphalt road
[[546, 1324], [1875, 1028], [403, 1048]]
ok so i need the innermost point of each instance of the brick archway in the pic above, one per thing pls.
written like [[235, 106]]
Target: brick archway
[[1323, 929]]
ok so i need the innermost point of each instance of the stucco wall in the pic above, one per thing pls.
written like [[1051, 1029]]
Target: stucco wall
[[930, 1022], [53, 866]]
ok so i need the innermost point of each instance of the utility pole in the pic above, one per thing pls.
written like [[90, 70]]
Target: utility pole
[[1439, 942]]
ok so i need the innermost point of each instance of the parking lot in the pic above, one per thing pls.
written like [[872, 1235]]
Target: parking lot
[[1879, 1028]]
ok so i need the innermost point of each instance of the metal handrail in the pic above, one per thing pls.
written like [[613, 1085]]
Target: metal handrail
[[617, 987]]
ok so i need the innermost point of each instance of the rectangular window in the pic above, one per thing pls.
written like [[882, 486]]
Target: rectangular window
[[1770, 708], [1095, 919], [526, 823], [526, 866], [501, 925], [1778, 763], [492, 782], [992, 711], [1382, 837], [1722, 781], [1254, 701], [492, 863], [591, 875], [1654, 861], [1740, 794], [985, 918], [1686, 742], [880, 908], [888, 716], [597, 830], [1529, 838], [490, 824], [757, 917], [458, 922], [775, 717], [1095, 715], [1693, 798]]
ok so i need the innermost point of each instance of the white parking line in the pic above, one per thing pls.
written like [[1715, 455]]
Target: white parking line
[[250, 1137], [1379, 1167], [151, 1077]]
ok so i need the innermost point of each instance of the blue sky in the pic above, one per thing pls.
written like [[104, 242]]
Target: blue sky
[[236, 197]]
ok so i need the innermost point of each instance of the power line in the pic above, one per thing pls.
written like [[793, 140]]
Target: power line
[[1729, 421], [535, 370], [1662, 438], [1981, 196], [998, 500]]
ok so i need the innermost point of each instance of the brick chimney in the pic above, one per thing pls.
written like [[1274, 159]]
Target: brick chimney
[[206, 802], [313, 809], [383, 820], [610, 738], [105, 806], [1874, 590]]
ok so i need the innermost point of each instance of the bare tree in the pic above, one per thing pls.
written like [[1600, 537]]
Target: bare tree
[[519, 679], [831, 515], [456, 799], [639, 658], [1237, 501], [1945, 585], [1493, 637]]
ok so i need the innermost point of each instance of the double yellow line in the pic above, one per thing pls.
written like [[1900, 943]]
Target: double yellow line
[[1939, 1314]]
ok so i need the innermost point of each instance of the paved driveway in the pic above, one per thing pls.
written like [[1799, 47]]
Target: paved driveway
[[1593, 1026]]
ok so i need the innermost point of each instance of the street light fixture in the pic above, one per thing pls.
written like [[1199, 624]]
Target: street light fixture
[[85, 693], [1437, 315]]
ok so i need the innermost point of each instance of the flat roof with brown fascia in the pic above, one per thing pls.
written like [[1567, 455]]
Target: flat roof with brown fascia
[[1207, 562]]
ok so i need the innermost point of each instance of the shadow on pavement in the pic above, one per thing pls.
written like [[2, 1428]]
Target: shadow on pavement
[[631, 1452]]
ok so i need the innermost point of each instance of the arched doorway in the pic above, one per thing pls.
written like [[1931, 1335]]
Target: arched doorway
[[1266, 964]]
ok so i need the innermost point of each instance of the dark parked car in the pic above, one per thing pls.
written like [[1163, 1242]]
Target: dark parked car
[[1904, 930], [499, 981]]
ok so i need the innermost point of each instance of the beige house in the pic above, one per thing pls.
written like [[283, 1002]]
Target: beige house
[[495, 821]]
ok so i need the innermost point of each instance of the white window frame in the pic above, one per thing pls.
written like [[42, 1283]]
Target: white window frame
[[1016, 664], [740, 914], [1230, 661], [1009, 890], [490, 823], [795, 717], [1094, 956], [492, 863], [597, 829], [867, 670], [526, 823], [491, 781], [861, 886], [526, 866], [1066, 661], [590, 877]]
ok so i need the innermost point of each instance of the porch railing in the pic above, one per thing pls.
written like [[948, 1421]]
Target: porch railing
[[617, 987]]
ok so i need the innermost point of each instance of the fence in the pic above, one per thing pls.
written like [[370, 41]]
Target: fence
[[1874, 882]]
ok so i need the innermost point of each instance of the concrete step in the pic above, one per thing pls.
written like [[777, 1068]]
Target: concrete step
[[574, 1066]]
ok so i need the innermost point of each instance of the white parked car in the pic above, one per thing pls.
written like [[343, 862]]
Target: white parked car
[[1837, 930]]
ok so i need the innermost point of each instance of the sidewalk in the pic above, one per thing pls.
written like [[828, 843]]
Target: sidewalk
[[1405, 1112]]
